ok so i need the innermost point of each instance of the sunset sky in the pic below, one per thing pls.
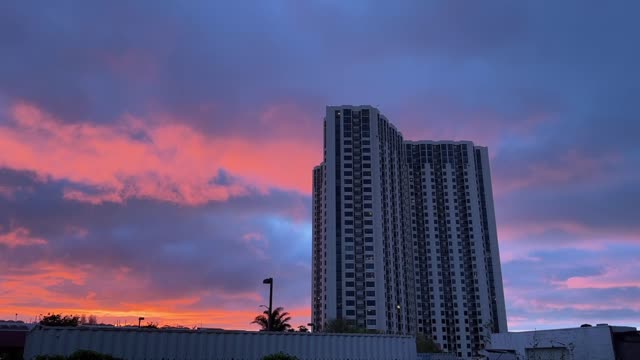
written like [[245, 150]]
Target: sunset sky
[[156, 156]]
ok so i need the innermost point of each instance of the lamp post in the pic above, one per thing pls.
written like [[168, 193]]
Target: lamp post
[[310, 325], [140, 320], [270, 282]]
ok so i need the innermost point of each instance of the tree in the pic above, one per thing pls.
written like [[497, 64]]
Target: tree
[[59, 320], [279, 320], [342, 326], [302, 328], [90, 320], [151, 325], [424, 344]]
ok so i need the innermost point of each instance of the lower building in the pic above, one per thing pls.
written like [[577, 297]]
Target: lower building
[[601, 342], [12, 339]]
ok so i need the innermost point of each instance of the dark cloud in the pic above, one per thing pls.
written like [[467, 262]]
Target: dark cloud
[[173, 250]]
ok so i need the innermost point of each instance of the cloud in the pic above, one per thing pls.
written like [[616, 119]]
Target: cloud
[[122, 258], [175, 163], [546, 291], [165, 152], [19, 237]]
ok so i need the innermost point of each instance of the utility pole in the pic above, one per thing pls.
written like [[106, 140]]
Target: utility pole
[[270, 282]]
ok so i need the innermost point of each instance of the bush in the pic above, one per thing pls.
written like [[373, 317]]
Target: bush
[[279, 356], [50, 357], [59, 320], [78, 355]]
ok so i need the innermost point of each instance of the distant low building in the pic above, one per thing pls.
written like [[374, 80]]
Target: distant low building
[[601, 342], [12, 339]]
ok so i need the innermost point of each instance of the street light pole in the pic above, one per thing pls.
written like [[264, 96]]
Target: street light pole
[[270, 282], [140, 320]]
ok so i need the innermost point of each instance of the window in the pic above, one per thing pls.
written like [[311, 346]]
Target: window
[[351, 312], [371, 303]]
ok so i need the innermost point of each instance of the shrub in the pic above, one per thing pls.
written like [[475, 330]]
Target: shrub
[[50, 357], [78, 355], [279, 356]]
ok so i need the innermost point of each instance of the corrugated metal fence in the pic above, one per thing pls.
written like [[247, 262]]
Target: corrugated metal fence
[[156, 344]]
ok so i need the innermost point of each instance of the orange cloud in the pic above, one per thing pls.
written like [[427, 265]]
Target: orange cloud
[[172, 162], [118, 296]]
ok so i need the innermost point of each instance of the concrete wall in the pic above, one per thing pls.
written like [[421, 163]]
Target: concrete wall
[[588, 343], [150, 344]]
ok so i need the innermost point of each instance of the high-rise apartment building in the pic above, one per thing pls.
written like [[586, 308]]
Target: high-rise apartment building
[[404, 234]]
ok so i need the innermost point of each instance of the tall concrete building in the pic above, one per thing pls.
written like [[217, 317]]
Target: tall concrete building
[[404, 234]]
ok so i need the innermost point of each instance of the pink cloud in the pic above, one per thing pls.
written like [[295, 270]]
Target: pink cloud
[[175, 163], [20, 237], [615, 276]]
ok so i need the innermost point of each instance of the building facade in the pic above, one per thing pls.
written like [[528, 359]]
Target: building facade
[[459, 294], [404, 234]]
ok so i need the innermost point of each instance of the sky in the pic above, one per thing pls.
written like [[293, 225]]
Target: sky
[[156, 156]]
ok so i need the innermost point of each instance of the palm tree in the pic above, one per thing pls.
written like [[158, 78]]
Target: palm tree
[[279, 320]]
